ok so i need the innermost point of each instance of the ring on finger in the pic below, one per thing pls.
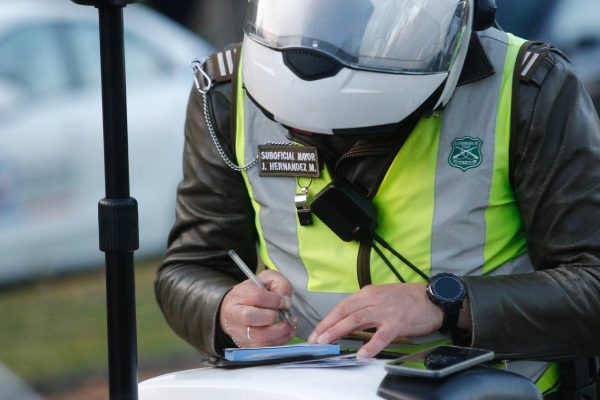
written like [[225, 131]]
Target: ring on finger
[[248, 335]]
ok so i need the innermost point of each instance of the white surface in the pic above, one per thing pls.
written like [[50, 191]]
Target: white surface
[[13, 387], [267, 383]]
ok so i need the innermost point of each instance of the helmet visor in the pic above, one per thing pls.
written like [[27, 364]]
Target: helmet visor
[[397, 36]]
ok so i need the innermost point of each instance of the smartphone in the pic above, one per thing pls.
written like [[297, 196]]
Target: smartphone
[[438, 362]]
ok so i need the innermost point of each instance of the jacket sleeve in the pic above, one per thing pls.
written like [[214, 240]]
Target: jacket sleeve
[[213, 215], [555, 165]]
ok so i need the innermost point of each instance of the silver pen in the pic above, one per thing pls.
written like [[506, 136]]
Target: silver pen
[[283, 314]]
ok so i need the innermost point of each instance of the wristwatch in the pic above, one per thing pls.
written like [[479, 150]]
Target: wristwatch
[[448, 292]]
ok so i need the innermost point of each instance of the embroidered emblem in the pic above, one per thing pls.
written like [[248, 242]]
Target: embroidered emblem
[[466, 153]]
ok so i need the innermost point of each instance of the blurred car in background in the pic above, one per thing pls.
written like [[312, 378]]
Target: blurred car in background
[[51, 151], [571, 25]]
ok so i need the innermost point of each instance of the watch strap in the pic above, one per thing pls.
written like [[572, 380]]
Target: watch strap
[[450, 320]]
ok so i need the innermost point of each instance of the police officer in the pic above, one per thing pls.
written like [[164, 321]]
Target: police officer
[[478, 150]]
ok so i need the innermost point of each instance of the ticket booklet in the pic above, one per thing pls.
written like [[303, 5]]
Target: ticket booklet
[[277, 352]]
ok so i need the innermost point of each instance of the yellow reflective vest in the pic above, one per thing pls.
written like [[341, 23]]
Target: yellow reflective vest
[[446, 202]]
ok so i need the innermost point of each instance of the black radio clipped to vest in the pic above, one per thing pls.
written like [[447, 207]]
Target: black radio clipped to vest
[[346, 212]]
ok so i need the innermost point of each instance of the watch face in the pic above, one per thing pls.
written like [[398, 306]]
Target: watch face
[[448, 288]]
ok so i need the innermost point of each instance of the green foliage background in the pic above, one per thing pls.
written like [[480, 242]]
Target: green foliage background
[[55, 330]]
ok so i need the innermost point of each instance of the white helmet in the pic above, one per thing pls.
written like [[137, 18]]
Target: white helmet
[[353, 66]]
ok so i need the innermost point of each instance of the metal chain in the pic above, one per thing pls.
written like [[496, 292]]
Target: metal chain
[[204, 88], [217, 144]]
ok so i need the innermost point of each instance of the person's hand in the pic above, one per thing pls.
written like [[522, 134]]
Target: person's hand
[[249, 313], [394, 310]]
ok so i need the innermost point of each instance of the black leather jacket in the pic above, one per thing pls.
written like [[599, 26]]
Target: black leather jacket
[[555, 172]]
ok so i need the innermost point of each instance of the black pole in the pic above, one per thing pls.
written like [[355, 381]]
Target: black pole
[[117, 213]]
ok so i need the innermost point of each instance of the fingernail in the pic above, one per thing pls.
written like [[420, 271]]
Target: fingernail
[[286, 303], [362, 353], [323, 339], [312, 338]]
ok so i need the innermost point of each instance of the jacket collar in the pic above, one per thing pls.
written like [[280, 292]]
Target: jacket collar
[[477, 64]]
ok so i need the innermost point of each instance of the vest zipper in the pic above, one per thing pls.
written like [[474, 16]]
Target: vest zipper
[[361, 153]]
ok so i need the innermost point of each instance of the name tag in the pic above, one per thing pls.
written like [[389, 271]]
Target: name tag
[[293, 161]]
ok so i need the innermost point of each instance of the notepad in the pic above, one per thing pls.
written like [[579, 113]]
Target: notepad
[[274, 352]]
